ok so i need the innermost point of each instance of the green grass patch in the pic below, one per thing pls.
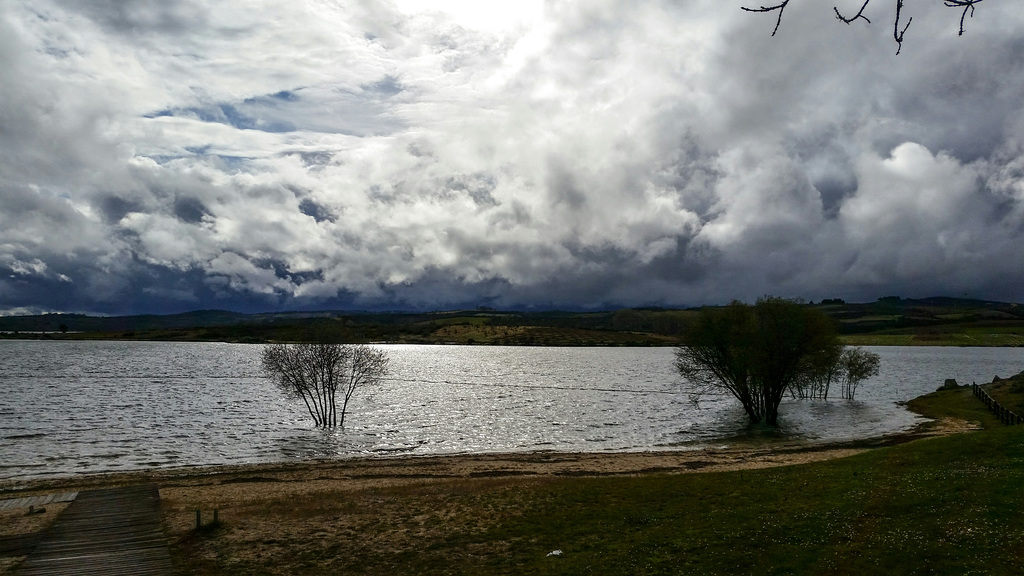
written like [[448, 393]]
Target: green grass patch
[[942, 506], [463, 320], [935, 339], [959, 404], [1009, 393]]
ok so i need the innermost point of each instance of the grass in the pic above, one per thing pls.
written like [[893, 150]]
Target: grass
[[937, 339], [959, 404], [948, 505], [460, 330], [1009, 393], [479, 333], [892, 511]]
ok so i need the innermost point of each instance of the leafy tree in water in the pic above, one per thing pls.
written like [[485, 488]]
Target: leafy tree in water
[[757, 353], [322, 373]]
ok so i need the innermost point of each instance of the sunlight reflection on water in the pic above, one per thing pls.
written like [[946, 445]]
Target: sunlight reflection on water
[[85, 407]]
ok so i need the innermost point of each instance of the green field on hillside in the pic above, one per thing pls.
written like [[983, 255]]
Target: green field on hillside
[[886, 322]]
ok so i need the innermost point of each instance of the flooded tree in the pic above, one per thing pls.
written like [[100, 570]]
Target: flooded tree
[[323, 374], [758, 353], [817, 383], [857, 365], [847, 367]]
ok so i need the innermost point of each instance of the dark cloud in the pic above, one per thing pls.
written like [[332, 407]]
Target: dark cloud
[[142, 16], [316, 211], [114, 208], [164, 156], [190, 210]]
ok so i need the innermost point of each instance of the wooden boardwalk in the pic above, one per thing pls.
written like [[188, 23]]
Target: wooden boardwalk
[[37, 501], [115, 531]]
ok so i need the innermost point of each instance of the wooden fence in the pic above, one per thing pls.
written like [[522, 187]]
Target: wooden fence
[[1005, 416]]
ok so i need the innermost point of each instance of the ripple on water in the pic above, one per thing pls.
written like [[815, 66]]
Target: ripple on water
[[133, 405]]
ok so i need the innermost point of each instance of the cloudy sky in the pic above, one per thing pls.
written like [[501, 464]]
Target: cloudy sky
[[256, 155]]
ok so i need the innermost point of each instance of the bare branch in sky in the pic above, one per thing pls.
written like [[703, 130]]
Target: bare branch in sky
[[967, 5], [897, 34], [780, 7], [859, 14]]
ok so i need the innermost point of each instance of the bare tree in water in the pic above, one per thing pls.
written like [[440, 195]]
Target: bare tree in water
[[323, 374], [857, 365], [848, 367]]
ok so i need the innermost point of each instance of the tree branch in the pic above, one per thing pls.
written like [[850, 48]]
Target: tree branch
[[780, 7], [860, 14], [966, 5], [897, 34]]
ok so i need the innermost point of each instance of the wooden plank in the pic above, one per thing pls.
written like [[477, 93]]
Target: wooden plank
[[26, 501], [114, 531], [18, 503]]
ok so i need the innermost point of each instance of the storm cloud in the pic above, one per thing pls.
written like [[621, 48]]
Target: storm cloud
[[168, 156]]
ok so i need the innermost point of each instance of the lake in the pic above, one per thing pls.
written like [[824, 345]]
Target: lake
[[70, 408]]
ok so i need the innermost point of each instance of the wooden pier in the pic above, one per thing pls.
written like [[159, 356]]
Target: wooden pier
[[114, 531]]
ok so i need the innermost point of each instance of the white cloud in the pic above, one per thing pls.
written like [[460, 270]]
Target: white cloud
[[566, 154]]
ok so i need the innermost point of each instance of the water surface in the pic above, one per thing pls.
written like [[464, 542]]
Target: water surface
[[84, 407]]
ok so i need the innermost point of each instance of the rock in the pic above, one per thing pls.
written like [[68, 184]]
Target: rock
[[949, 384]]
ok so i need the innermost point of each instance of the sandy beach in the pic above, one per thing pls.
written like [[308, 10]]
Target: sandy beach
[[361, 473], [261, 499]]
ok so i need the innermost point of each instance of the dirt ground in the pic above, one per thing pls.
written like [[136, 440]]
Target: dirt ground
[[288, 498]]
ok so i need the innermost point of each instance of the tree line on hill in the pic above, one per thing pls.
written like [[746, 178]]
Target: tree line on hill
[[636, 326]]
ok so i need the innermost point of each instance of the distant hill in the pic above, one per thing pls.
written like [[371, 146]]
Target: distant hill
[[889, 320]]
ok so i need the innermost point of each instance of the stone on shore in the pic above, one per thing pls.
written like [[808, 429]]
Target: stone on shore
[[949, 384]]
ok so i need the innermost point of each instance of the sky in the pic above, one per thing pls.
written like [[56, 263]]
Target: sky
[[160, 156]]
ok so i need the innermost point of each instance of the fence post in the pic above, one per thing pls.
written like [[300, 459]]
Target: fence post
[[1003, 414]]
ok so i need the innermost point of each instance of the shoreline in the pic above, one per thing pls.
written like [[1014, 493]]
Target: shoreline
[[316, 498], [636, 340], [414, 514], [361, 472]]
